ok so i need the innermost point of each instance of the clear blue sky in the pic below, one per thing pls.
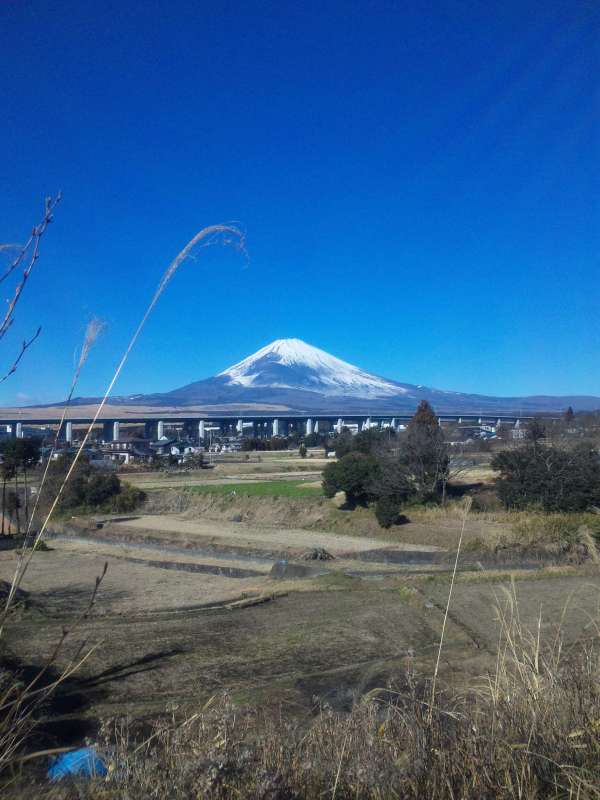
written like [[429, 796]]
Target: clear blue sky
[[418, 181]]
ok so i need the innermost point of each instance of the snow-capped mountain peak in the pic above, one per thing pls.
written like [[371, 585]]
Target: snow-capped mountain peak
[[289, 376], [294, 364]]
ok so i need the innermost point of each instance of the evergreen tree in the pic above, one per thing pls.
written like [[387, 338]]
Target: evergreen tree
[[426, 453], [536, 431], [353, 474]]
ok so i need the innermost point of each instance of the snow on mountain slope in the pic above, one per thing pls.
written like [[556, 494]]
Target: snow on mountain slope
[[291, 376], [293, 364]]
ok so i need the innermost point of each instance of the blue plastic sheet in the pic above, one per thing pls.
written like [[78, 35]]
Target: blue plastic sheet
[[83, 762]]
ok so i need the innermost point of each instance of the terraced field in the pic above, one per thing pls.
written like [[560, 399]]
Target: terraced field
[[271, 488], [169, 629]]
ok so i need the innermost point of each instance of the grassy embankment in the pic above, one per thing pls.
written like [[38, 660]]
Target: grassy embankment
[[277, 488]]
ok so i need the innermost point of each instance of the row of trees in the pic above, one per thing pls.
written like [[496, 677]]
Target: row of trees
[[389, 470], [88, 487], [274, 443]]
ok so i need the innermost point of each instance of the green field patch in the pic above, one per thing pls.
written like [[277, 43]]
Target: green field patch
[[260, 489], [338, 580]]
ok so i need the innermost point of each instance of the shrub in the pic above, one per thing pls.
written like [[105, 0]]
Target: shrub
[[250, 443], [194, 461], [353, 474], [392, 479], [330, 480], [550, 478], [368, 442], [99, 488], [366, 478], [127, 499], [486, 500], [388, 511], [343, 443], [373, 440], [559, 528], [315, 440]]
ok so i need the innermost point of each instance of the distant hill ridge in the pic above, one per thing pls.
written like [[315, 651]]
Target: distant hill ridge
[[304, 379]]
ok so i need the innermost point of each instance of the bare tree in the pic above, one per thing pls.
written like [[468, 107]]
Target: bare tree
[[25, 260]]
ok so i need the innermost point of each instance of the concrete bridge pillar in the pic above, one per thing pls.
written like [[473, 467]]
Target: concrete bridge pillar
[[339, 425], [479, 421], [276, 427], [309, 427], [68, 432], [460, 420], [201, 433], [240, 426], [19, 430], [160, 429], [116, 430]]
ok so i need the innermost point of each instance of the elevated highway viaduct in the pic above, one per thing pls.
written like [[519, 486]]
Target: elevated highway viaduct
[[199, 427]]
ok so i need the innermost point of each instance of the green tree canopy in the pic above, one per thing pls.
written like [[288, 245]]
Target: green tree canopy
[[353, 474]]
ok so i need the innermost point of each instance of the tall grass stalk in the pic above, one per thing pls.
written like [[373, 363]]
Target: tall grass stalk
[[209, 235], [466, 508], [93, 330], [18, 704]]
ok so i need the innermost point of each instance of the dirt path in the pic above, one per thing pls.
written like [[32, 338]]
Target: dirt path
[[117, 549], [241, 534], [196, 479]]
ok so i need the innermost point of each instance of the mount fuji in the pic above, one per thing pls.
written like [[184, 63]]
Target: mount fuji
[[293, 364], [290, 375]]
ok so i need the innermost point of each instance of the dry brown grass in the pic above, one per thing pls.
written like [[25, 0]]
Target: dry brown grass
[[530, 729], [490, 529]]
